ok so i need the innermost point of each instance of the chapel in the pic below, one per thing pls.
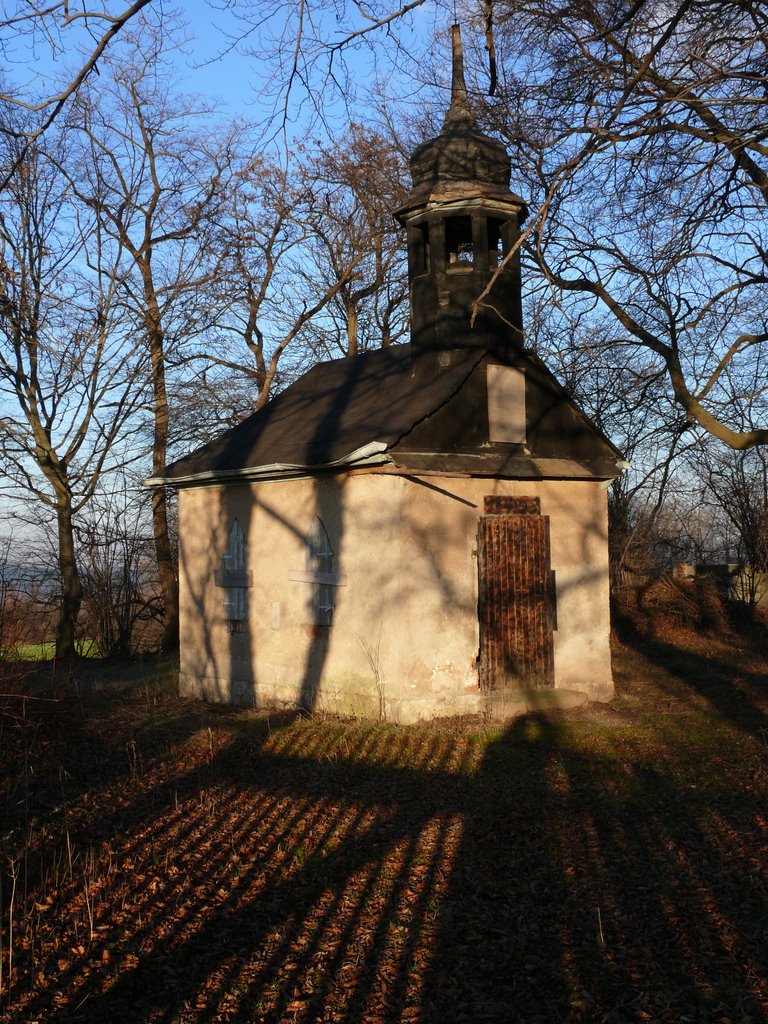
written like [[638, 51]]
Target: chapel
[[419, 530]]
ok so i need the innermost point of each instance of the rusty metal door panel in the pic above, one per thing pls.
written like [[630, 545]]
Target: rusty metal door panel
[[515, 602], [512, 504]]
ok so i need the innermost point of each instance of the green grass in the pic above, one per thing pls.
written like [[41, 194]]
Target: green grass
[[47, 651]]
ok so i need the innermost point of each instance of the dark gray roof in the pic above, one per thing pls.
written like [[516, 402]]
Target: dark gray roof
[[508, 465], [335, 409]]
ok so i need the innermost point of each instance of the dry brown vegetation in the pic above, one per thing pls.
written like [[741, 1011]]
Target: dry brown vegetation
[[167, 861]]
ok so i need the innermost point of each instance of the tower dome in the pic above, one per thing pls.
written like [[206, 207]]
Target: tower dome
[[461, 160]]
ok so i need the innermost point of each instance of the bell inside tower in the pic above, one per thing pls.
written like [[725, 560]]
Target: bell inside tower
[[459, 247]]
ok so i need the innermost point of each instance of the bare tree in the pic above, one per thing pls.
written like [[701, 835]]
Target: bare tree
[[118, 568], [359, 178], [55, 30], [69, 373], [640, 135], [292, 255], [308, 54], [262, 304], [737, 485], [154, 173]]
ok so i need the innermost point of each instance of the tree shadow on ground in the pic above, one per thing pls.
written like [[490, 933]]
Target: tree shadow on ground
[[280, 869], [712, 674]]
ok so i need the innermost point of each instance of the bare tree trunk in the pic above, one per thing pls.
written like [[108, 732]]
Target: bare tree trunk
[[71, 586], [352, 326], [169, 587]]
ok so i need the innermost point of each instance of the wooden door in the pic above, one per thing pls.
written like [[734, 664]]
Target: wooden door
[[515, 605]]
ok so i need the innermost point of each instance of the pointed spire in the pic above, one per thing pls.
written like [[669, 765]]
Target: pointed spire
[[459, 114], [461, 159]]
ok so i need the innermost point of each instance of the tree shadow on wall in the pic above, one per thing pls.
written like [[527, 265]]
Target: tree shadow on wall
[[329, 512]]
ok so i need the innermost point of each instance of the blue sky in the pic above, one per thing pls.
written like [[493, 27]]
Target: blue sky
[[393, 62], [213, 65]]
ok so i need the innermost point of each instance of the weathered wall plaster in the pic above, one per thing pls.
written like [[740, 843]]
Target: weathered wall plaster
[[405, 637]]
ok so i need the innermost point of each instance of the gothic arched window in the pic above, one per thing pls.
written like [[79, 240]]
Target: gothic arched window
[[235, 578], [319, 562]]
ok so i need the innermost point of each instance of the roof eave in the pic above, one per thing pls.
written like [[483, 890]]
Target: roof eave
[[447, 193], [371, 454]]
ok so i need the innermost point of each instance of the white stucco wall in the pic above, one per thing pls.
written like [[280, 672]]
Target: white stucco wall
[[404, 639]]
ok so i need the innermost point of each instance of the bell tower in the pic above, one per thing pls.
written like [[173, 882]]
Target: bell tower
[[462, 220]]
